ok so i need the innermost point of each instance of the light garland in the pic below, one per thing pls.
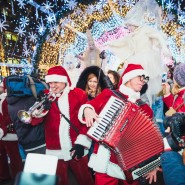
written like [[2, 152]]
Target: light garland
[[101, 19]]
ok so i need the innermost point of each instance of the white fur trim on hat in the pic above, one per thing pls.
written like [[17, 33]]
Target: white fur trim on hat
[[81, 112], [129, 75], [83, 140], [55, 78]]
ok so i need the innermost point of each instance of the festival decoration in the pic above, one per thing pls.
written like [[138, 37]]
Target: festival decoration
[[53, 28]]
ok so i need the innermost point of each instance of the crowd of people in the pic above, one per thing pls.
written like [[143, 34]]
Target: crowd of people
[[60, 127]]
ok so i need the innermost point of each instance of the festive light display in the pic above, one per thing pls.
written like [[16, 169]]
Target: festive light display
[[48, 30]]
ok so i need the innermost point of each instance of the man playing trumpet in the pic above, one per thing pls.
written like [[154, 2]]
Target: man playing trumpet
[[63, 131]]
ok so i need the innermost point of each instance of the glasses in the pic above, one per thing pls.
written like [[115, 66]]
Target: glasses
[[144, 79]]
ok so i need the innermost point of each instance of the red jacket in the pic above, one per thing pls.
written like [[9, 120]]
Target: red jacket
[[104, 160], [5, 122], [174, 102], [59, 135]]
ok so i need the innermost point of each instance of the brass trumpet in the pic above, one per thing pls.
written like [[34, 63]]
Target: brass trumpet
[[26, 116]]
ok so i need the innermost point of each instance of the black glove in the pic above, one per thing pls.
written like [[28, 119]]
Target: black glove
[[79, 151], [40, 95], [47, 104]]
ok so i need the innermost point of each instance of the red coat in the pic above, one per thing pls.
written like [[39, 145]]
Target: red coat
[[59, 135], [171, 102], [5, 122], [104, 160]]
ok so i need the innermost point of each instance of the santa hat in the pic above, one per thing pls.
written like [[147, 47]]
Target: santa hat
[[131, 71], [57, 74]]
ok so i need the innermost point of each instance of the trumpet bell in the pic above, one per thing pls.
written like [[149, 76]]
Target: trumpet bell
[[24, 116]]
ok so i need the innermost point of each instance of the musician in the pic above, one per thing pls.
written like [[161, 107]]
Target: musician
[[103, 160], [63, 131], [8, 143]]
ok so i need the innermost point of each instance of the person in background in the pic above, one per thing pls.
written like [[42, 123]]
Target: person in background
[[175, 97], [171, 161], [92, 81], [65, 135], [31, 138], [145, 44], [114, 78], [9, 149], [103, 161]]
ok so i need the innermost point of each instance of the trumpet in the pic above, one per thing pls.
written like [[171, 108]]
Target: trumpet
[[26, 116]]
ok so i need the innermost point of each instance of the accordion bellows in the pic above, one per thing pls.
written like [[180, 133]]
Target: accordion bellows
[[126, 129]]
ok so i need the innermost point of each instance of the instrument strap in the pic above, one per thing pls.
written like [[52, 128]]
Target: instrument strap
[[117, 93], [70, 123], [32, 86]]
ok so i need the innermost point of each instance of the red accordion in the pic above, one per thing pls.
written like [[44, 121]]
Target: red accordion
[[126, 129]]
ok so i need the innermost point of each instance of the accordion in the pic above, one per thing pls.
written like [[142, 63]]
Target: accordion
[[131, 134]]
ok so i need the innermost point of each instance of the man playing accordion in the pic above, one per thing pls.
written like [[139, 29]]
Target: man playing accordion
[[104, 161]]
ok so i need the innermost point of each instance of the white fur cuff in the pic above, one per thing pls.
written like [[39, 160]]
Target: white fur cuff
[[83, 140], [10, 137], [1, 133], [81, 112]]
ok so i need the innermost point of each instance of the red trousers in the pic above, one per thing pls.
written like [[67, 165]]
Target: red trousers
[[104, 179], [11, 149], [79, 169]]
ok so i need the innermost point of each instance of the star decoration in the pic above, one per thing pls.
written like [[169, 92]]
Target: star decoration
[[33, 37], [20, 31], [24, 21], [71, 4], [3, 25], [13, 71]]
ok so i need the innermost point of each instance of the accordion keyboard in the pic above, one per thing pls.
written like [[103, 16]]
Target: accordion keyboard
[[107, 117], [145, 169]]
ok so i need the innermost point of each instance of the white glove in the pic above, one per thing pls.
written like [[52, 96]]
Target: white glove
[[1, 133]]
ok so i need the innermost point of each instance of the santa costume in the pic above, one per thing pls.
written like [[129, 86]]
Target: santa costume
[[103, 161], [60, 135], [8, 143]]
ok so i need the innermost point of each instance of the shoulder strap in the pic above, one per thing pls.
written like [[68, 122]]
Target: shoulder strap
[[118, 94], [32, 86], [140, 102], [70, 123], [45, 84]]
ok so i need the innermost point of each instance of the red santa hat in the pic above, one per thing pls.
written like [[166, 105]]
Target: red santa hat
[[131, 71], [57, 74]]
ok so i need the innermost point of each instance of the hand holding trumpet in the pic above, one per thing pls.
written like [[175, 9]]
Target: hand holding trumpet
[[39, 109]]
